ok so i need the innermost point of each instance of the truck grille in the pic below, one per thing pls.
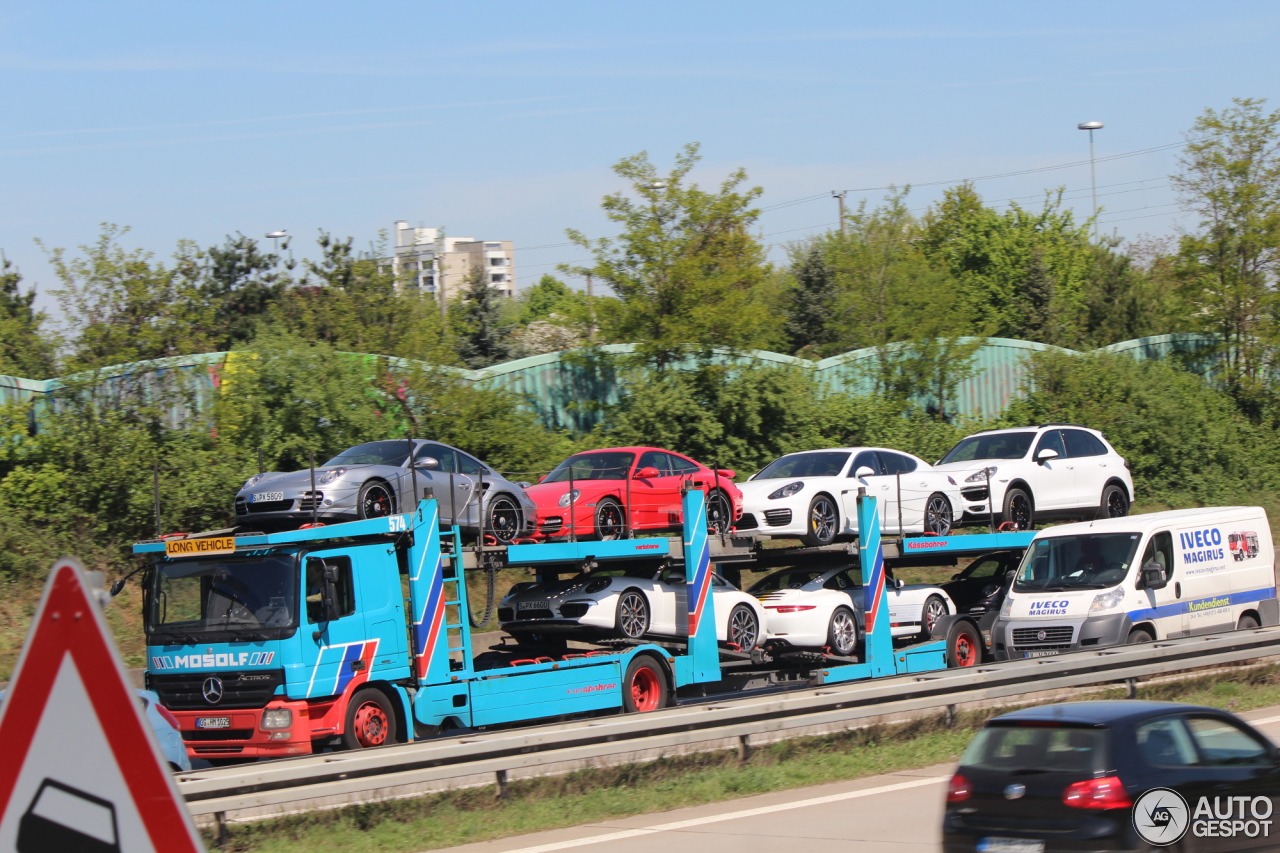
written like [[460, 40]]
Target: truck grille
[[184, 691], [1057, 637], [217, 734], [777, 517]]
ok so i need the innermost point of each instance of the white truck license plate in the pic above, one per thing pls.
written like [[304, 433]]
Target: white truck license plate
[[1010, 845]]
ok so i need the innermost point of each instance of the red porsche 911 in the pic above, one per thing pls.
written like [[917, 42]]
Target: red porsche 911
[[609, 492]]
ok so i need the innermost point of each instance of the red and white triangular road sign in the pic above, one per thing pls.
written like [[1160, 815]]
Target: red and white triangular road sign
[[79, 767]]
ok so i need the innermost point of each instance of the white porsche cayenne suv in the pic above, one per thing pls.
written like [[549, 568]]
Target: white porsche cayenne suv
[[1058, 472], [812, 495]]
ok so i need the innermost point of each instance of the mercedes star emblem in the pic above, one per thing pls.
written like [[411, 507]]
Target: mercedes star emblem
[[212, 691]]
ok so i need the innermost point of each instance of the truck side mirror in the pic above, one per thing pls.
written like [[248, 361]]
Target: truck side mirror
[[864, 471], [1153, 577], [1046, 454]]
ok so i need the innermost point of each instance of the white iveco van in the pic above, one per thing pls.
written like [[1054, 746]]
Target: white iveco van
[[1145, 577]]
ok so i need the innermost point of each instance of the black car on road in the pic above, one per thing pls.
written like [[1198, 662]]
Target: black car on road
[[1122, 775]]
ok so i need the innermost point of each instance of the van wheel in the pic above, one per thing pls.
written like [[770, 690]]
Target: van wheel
[[1115, 504], [964, 647], [1018, 509], [1246, 622], [1140, 635]]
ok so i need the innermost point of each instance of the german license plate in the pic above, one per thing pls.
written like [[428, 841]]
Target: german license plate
[[264, 497], [532, 605], [213, 722], [1042, 653], [1010, 845]]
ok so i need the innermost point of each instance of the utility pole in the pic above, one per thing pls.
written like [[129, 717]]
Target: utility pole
[[1091, 126], [840, 198], [591, 309], [439, 268]]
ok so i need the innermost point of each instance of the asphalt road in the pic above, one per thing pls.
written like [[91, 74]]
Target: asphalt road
[[898, 812]]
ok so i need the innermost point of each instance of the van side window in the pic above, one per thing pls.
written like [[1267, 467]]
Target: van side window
[[1159, 553]]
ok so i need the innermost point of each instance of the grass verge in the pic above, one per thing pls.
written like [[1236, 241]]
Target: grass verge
[[461, 817]]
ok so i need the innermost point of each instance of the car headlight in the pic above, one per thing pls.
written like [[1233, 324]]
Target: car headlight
[[253, 481], [569, 497], [786, 491], [1104, 601], [276, 718], [324, 478], [597, 585], [981, 476]]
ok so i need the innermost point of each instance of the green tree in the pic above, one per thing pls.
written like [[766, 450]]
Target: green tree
[[1022, 270], [122, 305], [688, 273], [548, 296], [241, 283], [478, 322], [27, 349], [811, 300], [1230, 177]]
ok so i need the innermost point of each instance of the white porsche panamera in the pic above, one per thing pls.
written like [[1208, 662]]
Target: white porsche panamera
[[625, 601], [812, 495], [817, 608]]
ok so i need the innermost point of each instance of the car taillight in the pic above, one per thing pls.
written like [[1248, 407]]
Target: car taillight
[[959, 789], [790, 608], [1105, 793], [169, 717]]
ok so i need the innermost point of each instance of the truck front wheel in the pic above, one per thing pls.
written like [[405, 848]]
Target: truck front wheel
[[964, 646], [370, 720]]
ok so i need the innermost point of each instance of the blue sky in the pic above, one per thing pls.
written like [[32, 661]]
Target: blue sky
[[500, 120]]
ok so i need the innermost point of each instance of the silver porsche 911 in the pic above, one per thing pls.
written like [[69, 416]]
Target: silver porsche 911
[[374, 479]]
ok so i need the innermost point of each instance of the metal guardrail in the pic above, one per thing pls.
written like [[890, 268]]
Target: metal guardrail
[[361, 773]]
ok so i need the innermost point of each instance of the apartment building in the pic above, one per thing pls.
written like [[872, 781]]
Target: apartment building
[[438, 264]]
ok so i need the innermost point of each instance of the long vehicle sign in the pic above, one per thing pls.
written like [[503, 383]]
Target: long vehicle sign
[[200, 547]]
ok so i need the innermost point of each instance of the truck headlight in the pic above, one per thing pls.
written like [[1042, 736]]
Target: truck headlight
[[568, 497], [276, 718], [1007, 607], [1104, 601], [786, 491], [981, 476]]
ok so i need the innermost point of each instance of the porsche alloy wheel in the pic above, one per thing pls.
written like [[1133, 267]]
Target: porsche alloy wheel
[[719, 515], [375, 500], [937, 515], [744, 628], [610, 522], [934, 609], [633, 615], [823, 522], [504, 519], [842, 634]]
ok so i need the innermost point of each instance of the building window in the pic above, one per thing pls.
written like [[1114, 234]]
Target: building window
[[497, 277], [493, 245], [497, 262], [428, 281]]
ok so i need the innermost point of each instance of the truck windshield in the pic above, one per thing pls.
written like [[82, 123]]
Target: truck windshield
[[1087, 561], [223, 600]]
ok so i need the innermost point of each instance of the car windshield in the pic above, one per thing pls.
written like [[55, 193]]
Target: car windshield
[[1000, 445], [604, 465], [826, 463], [1085, 561], [225, 599], [374, 453], [1040, 746], [789, 579]]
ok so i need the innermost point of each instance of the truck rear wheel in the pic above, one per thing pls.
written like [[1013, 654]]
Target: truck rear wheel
[[644, 688], [964, 646], [370, 720]]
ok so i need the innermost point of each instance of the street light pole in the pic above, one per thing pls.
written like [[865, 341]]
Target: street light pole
[[1091, 126], [840, 198], [275, 237]]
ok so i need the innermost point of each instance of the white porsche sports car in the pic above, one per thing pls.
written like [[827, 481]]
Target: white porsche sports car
[[626, 602], [812, 495], [813, 608]]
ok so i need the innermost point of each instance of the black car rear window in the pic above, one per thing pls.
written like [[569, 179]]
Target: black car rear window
[[1045, 747]]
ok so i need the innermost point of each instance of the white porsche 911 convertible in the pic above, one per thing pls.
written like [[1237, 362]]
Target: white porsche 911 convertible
[[626, 602], [815, 608], [812, 495]]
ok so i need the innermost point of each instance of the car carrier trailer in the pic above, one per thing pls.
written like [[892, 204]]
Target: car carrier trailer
[[357, 634]]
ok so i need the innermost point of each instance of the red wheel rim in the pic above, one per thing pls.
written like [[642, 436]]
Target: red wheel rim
[[966, 652], [646, 689], [371, 724]]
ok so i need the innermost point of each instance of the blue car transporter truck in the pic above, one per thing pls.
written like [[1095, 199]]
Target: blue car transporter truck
[[356, 635]]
